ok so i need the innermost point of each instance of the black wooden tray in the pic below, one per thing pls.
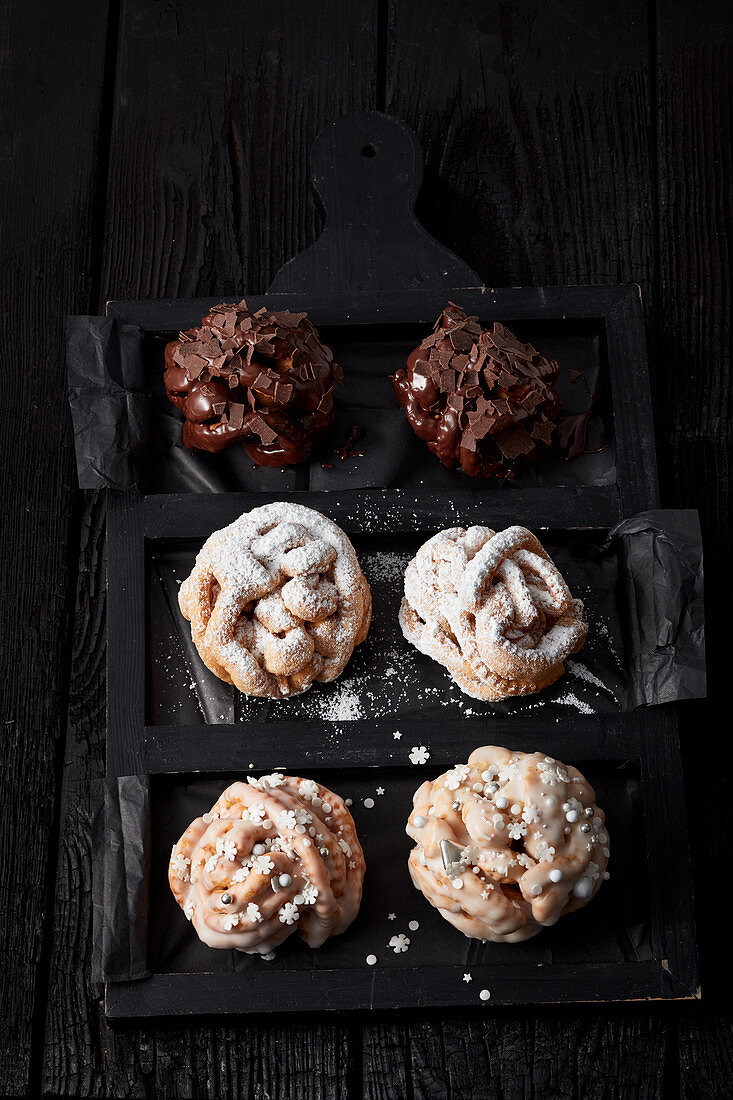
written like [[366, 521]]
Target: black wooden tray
[[597, 331], [374, 282], [635, 941]]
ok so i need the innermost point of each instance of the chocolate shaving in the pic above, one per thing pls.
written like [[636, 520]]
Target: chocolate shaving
[[263, 430]]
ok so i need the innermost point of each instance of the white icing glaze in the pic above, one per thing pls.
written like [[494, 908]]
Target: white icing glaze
[[532, 868], [255, 847]]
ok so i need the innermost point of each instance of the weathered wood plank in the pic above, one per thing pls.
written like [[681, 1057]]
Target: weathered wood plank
[[51, 72], [215, 113], [535, 120], [385, 1061], [208, 193], [693, 344]]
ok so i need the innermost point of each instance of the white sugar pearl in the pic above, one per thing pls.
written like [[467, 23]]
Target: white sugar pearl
[[571, 816], [597, 822], [536, 889], [516, 808], [317, 802], [327, 807], [348, 802], [487, 776], [556, 876], [484, 995], [419, 821], [502, 802], [259, 849], [285, 880], [603, 837], [306, 842], [369, 803], [300, 829], [477, 787], [566, 806], [371, 960], [458, 883], [606, 875], [413, 925], [583, 888]]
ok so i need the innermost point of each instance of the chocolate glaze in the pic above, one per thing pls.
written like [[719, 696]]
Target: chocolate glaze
[[263, 379], [480, 398]]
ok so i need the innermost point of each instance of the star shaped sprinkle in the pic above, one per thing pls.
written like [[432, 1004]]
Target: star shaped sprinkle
[[380, 790], [397, 735], [391, 916], [467, 978]]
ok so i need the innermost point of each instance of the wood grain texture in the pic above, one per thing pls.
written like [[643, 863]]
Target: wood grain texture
[[68, 1067], [51, 63], [547, 161], [692, 344], [539, 169], [534, 119], [207, 194], [214, 116]]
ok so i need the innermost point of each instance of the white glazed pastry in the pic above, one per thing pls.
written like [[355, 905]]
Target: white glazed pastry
[[273, 856], [507, 843]]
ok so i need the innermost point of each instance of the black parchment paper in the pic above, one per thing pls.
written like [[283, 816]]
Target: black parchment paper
[[661, 590], [109, 402], [122, 844]]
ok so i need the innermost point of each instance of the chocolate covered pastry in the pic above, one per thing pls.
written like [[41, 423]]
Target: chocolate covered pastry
[[479, 397], [263, 379]]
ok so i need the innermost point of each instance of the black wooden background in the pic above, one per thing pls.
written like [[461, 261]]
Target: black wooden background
[[158, 148]]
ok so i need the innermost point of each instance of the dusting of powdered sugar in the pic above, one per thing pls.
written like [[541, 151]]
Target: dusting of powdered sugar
[[570, 700], [585, 674]]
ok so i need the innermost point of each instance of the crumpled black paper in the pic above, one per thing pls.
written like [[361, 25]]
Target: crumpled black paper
[[109, 403], [661, 588], [121, 879]]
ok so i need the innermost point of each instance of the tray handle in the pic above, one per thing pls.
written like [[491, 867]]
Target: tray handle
[[367, 170]]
